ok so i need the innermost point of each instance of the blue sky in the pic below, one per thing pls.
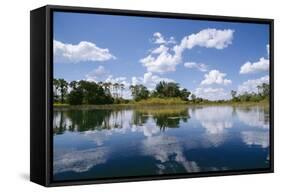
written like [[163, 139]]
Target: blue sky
[[212, 57]]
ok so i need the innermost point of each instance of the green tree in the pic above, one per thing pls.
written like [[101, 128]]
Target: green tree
[[122, 87], [56, 90], [75, 97], [265, 89], [62, 87], [139, 92], [170, 89], [94, 93], [106, 87], [193, 98], [115, 87], [184, 94], [233, 94]]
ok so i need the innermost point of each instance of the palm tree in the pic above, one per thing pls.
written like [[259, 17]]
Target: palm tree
[[259, 89], [233, 94], [100, 83], [193, 97], [116, 86], [55, 89], [106, 87], [122, 87], [63, 87], [110, 88]]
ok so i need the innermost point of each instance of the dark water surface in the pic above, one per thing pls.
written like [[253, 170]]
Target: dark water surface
[[91, 144]]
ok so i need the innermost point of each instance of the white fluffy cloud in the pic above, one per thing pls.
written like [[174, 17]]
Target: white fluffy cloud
[[215, 77], [251, 85], [255, 67], [158, 38], [97, 74], [209, 38], [212, 94], [200, 66], [83, 51], [101, 74], [161, 60], [259, 66], [126, 93], [165, 59], [160, 49], [149, 80]]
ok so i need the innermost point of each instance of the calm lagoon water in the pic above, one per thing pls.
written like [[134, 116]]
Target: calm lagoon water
[[94, 144]]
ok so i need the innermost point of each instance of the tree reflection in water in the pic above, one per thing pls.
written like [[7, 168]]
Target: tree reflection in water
[[174, 139], [85, 120]]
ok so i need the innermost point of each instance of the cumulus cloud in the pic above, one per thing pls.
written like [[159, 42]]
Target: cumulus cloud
[[120, 80], [160, 49], [251, 85], [83, 51], [200, 66], [165, 59], [126, 93], [149, 80], [162, 62], [97, 74], [101, 74], [212, 94], [209, 38], [259, 66], [158, 38], [215, 77]]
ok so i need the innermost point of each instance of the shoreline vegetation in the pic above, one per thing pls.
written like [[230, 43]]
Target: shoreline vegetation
[[105, 95], [138, 105]]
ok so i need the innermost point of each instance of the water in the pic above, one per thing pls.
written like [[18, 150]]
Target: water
[[95, 144]]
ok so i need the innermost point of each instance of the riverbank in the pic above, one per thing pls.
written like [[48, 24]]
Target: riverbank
[[163, 103]]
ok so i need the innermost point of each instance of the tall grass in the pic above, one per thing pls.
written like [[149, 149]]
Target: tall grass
[[160, 101]]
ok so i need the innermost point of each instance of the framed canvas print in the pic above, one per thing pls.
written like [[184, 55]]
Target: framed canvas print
[[119, 95]]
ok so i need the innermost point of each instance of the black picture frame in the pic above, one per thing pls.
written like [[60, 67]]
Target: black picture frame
[[41, 75]]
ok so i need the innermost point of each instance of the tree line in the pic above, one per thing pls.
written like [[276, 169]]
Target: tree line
[[86, 92], [262, 94], [162, 90], [93, 93], [83, 92]]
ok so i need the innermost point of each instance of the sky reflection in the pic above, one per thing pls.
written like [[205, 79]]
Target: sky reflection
[[166, 140]]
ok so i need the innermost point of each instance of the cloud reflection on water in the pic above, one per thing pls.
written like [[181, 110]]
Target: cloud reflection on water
[[79, 160], [167, 150], [260, 138], [215, 120], [255, 117]]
